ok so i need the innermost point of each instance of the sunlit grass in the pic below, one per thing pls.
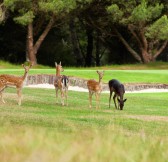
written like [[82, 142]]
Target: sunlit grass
[[151, 73], [125, 76], [42, 130]]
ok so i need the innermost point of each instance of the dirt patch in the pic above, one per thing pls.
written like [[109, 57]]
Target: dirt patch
[[148, 118]]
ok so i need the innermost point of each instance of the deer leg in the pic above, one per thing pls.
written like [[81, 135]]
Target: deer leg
[[66, 96], [90, 99], [118, 104], [1, 93], [114, 99], [19, 93], [2, 97], [111, 92], [98, 100], [62, 97], [56, 93], [97, 104]]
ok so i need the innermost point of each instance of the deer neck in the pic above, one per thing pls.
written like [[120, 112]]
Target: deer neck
[[58, 73], [100, 81], [121, 95], [24, 78], [25, 75]]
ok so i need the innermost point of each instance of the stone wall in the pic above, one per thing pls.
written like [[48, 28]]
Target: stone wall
[[43, 79]]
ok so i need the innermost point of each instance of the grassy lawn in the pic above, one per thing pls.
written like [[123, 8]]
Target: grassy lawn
[[125, 76], [41, 130], [137, 73]]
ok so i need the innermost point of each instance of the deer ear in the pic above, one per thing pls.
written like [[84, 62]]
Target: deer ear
[[56, 64], [97, 71], [125, 100]]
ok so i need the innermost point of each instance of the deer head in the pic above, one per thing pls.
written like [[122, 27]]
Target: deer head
[[121, 103], [101, 74], [58, 68], [27, 67]]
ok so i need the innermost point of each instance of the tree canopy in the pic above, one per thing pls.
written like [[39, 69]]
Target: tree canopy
[[89, 31]]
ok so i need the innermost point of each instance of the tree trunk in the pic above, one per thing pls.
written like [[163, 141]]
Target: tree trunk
[[88, 60], [75, 44], [128, 47], [31, 48], [43, 35], [146, 47], [146, 56], [159, 51], [97, 50], [2, 12], [151, 57]]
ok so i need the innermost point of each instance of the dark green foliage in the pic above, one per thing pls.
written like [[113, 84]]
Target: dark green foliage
[[96, 42]]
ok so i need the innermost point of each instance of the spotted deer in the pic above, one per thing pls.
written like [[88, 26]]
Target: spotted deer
[[14, 81], [95, 87], [61, 83], [119, 90]]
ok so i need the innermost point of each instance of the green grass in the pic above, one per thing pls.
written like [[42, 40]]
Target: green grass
[[42, 129], [125, 76], [137, 73], [150, 66]]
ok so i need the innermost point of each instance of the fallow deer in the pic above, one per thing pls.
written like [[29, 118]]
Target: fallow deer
[[61, 83], [13, 81], [119, 90], [95, 87]]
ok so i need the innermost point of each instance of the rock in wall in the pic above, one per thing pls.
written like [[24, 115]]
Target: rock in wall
[[43, 79]]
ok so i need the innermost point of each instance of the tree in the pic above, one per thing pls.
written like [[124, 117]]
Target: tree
[[147, 26], [39, 17], [90, 17], [75, 43], [2, 12]]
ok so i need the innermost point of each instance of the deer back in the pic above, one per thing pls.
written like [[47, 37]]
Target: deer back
[[94, 85], [61, 81], [116, 86], [10, 80]]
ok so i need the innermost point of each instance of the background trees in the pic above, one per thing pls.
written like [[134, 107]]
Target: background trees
[[146, 23], [84, 32], [39, 17]]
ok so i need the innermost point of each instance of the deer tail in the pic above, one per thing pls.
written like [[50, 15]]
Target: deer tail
[[65, 81]]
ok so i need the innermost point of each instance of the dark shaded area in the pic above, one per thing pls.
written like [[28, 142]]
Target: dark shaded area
[[12, 42], [58, 47]]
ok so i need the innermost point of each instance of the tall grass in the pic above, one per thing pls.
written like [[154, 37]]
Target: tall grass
[[42, 130]]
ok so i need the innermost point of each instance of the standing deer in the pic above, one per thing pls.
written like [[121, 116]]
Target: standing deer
[[95, 87], [13, 81], [118, 89], [61, 83]]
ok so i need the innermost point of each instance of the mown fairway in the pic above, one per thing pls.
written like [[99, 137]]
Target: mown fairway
[[126, 76], [41, 130]]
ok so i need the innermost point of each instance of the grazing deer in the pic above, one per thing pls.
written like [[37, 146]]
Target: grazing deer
[[95, 87], [118, 89], [61, 83], [13, 81]]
